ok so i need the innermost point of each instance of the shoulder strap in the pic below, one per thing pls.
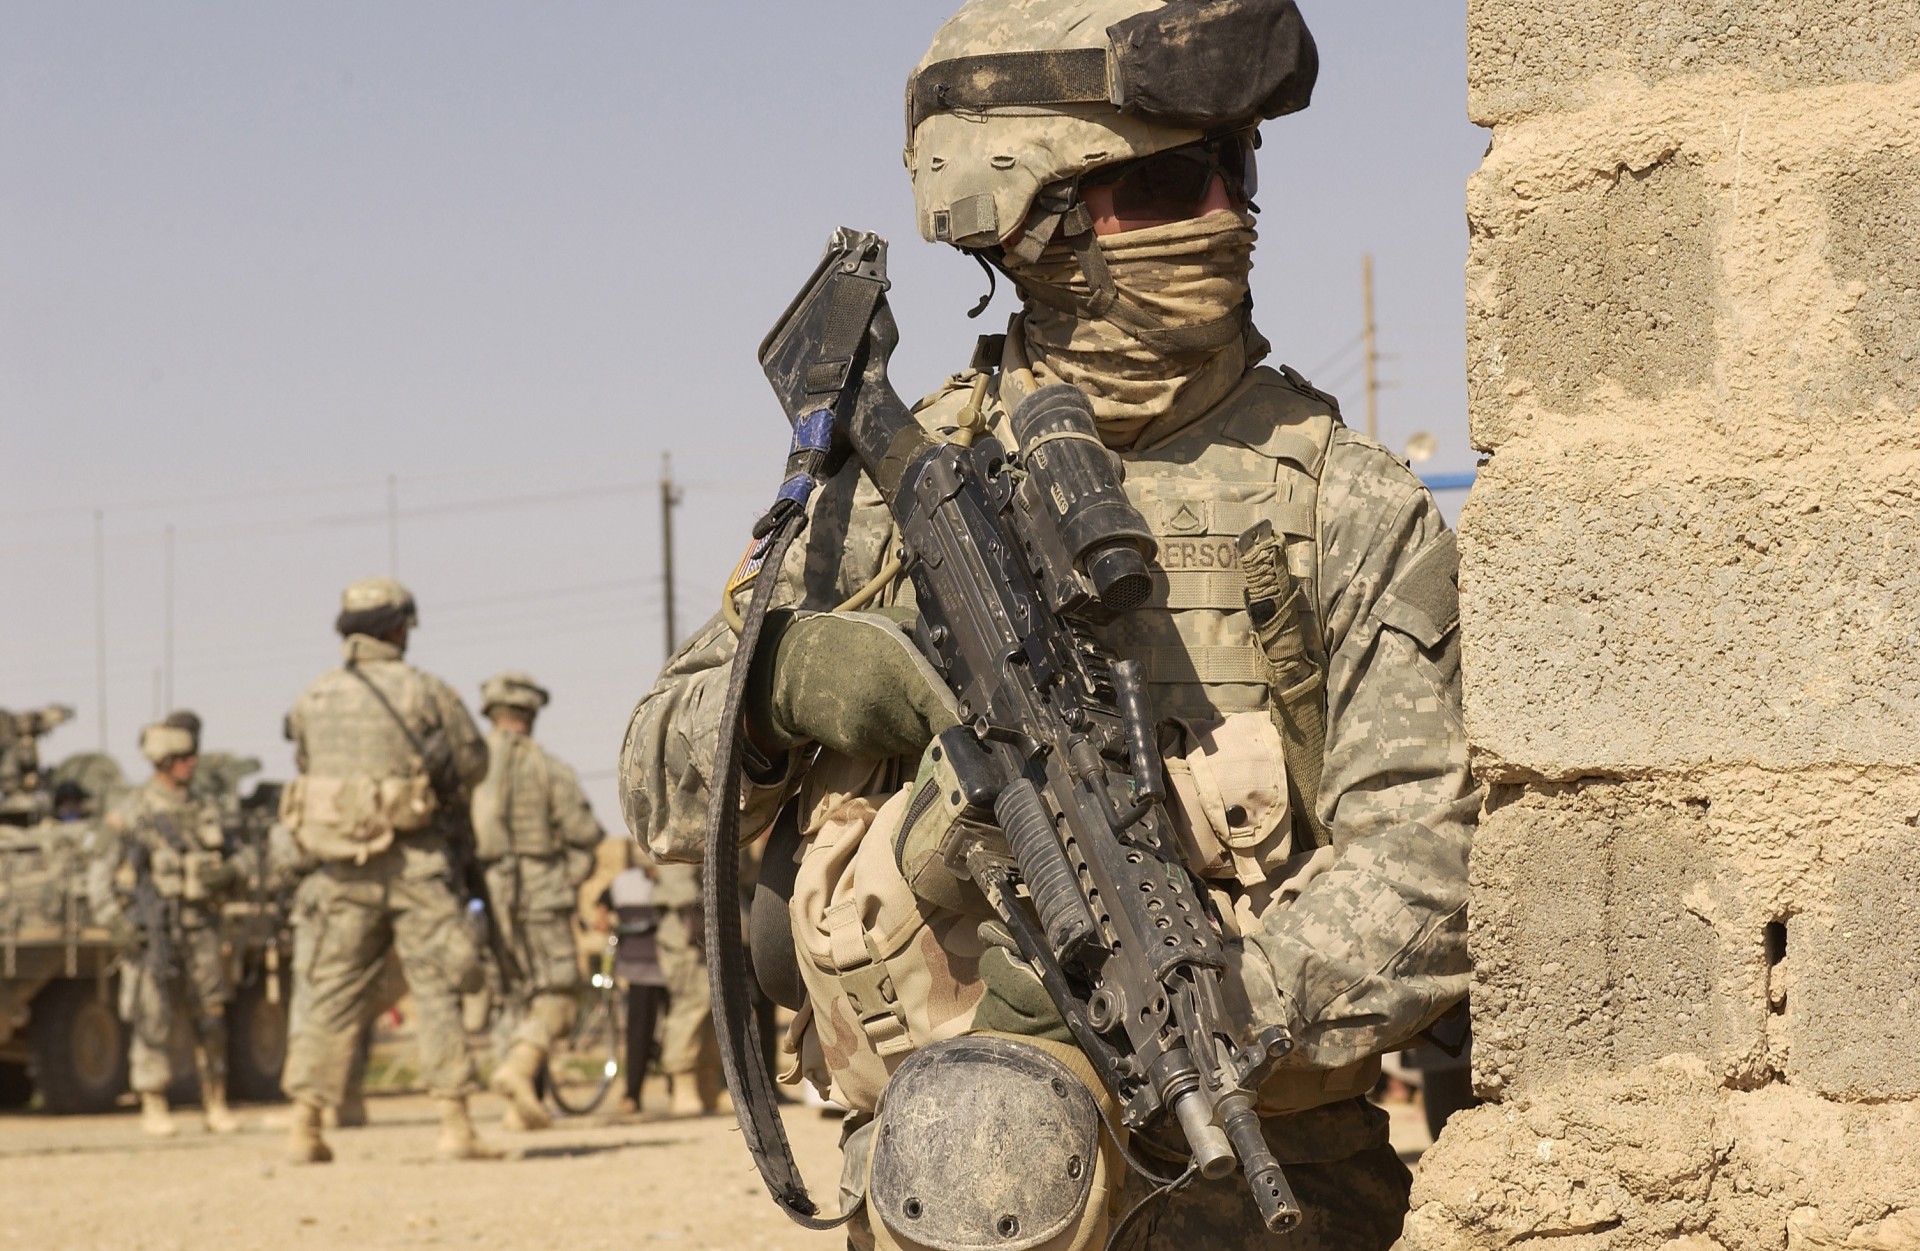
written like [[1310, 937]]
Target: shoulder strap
[[413, 739]]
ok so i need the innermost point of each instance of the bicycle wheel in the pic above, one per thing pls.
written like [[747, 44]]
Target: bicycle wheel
[[582, 1069]]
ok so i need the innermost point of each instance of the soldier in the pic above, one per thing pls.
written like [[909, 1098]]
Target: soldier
[[1300, 648], [689, 1054], [387, 755], [160, 879], [536, 835]]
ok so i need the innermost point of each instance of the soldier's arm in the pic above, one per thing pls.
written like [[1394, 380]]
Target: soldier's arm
[[666, 761], [1374, 948], [463, 736]]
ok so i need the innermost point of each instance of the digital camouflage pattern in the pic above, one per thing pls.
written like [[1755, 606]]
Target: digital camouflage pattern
[[191, 871], [398, 899], [974, 175], [536, 834], [1373, 947]]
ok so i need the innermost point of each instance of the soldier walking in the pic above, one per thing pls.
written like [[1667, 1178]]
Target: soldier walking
[[535, 835], [387, 756], [161, 876]]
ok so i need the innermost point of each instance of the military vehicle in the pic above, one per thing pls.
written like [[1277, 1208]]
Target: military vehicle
[[60, 1031]]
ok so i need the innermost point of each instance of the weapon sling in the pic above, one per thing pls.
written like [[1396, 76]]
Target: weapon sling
[[818, 352]]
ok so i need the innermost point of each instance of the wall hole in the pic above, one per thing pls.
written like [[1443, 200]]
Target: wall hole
[[1774, 939]]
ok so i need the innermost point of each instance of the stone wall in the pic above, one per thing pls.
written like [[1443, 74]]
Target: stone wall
[[1691, 609]]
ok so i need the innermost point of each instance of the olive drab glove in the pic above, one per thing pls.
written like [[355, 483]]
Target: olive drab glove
[[851, 682]]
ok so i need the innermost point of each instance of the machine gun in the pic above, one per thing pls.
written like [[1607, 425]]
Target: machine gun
[[1016, 556]]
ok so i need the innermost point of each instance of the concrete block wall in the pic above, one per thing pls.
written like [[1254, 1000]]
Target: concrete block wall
[[1691, 612]]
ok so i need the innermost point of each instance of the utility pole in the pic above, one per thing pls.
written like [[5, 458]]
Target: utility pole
[[100, 619], [669, 498], [393, 526], [1372, 354], [168, 701]]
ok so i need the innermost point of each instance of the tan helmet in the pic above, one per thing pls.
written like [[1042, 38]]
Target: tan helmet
[[375, 606], [369, 594], [1019, 96], [161, 742], [513, 689]]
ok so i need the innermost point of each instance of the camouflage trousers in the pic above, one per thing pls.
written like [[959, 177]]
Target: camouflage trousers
[[359, 914], [687, 1044], [148, 1004], [388, 989], [545, 1002]]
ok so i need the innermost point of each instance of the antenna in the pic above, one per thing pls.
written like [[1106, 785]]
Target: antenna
[[1371, 350], [669, 500]]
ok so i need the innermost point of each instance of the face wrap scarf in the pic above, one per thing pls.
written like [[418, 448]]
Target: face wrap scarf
[[1174, 342]]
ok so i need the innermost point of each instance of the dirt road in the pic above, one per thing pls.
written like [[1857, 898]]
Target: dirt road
[[590, 1184], [73, 1183]]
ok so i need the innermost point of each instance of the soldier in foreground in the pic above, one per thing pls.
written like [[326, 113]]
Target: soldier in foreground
[[1299, 650], [386, 753], [162, 875], [535, 834]]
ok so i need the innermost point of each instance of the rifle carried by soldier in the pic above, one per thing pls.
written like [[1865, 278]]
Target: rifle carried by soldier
[[1052, 782], [152, 915]]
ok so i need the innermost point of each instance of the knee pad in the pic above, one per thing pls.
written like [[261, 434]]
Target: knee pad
[[986, 1143]]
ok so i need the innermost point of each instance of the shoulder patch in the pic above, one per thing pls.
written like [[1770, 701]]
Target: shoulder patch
[[1423, 601]]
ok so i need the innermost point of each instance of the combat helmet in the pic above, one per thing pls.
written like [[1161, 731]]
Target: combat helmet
[[375, 606], [513, 689], [161, 742], [1017, 99]]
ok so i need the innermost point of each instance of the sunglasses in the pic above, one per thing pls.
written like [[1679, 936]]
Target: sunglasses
[[1171, 185]]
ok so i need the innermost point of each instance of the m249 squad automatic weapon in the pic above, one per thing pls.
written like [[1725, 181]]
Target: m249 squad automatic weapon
[[1017, 555]]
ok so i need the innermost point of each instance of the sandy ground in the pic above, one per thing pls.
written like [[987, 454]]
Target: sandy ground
[[592, 1183]]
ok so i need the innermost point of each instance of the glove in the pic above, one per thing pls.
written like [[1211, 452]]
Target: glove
[[851, 682]]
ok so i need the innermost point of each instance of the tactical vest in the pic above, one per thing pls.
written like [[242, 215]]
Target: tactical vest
[[364, 781], [182, 838], [885, 978], [510, 813]]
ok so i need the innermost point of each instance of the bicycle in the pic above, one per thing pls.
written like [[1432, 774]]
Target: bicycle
[[581, 1069]]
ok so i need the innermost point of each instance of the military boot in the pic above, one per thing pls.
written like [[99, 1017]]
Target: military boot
[[213, 1107], [155, 1118], [513, 1079], [304, 1143], [458, 1141]]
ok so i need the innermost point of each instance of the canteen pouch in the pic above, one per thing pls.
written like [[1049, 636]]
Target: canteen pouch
[[886, 972]]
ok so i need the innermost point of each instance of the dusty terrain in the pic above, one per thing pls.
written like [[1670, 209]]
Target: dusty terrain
[[72, 1183], [590, 1183]]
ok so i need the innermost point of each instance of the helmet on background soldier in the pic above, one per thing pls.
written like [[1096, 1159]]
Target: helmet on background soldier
[[515, 690], [188, 720], [376, 607], [161, 742]]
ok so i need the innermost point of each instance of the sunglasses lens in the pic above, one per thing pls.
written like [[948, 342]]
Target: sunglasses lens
[[1167, 187]]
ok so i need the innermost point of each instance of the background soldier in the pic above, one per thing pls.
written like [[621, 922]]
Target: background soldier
[[689, 1055], [386, 753], [536, 835], [162, 875], [1300, 648]]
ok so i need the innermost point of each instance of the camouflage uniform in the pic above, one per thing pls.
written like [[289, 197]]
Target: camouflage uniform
[[398, 897], [1347, 923], [689, 1055], [535, 834], [185, 850]]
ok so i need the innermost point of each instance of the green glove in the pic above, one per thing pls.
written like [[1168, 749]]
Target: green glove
[[851, 682], [125, 934]]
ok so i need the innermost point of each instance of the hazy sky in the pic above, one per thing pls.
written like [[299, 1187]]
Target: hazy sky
[[255, 259]]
